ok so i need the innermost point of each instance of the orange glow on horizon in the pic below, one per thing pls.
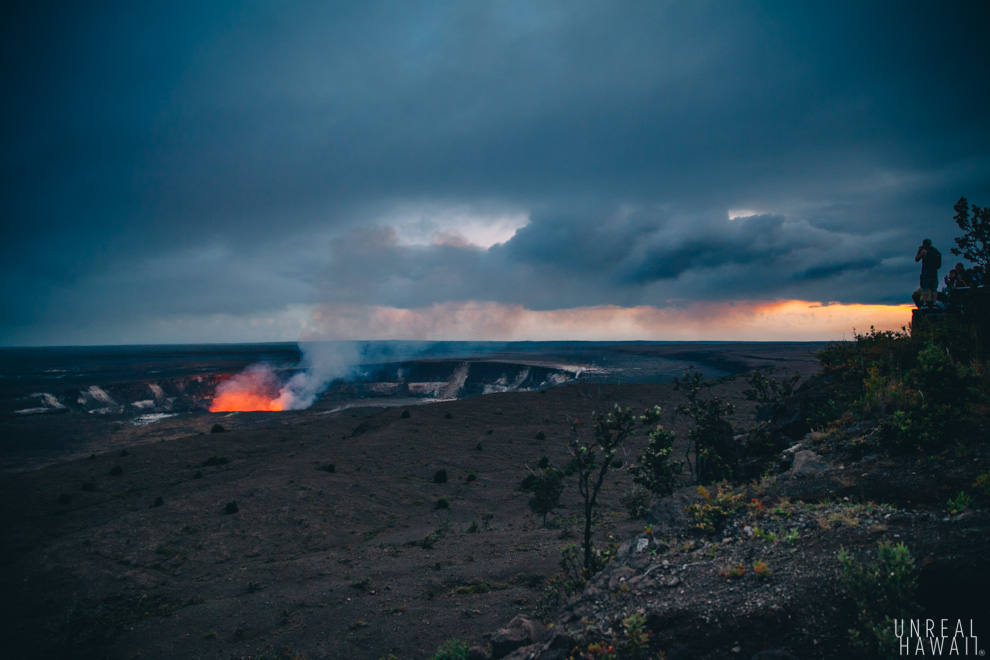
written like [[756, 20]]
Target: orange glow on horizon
[[747, 320]]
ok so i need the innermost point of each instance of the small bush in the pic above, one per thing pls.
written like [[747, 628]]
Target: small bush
[[123, 452], [883, 591], [959, 503], [198, 474], [440, 476], [116, 471], [471, 477], [711, 512], [452, 649], [231, 507], [982, 486], [654, 469], [447, 415], [217, 428], [88, 486], [327, 467], [442, 503], [405, 415], [159, 501], [213, 461], [637, 502]]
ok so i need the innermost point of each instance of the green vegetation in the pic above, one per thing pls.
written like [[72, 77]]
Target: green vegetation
[[715, 509], [766, 389], [327, 467], [959, 503], [592, 461], [883, 591], [546, 483], [654, 470], [974, 244], [919, 387], [230, 508], [637, 501], [452, 649], [440, 476], [710, 441], [213, 461]]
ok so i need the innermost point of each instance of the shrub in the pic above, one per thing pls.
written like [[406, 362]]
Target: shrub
[[116, 471], [959, 503], [768, 390], [213, 461], [231, 507], [711, 438], [653, 469], [712, 511], [452, 649], [637, 502], [159, 501], [442, 503], [592, 460], [198, 474], [217, 428], [88, 486], [327, 467], [883, 592], [471, 477], [405, 414], [440, 476], [982, 486], [547, 489]]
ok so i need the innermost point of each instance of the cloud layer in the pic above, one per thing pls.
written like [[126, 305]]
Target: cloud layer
[[239, 167]]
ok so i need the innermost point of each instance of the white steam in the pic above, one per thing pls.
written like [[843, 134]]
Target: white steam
[[322, 363]]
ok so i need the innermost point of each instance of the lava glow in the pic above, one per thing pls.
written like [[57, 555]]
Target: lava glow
[[255, 389], [243, 402]]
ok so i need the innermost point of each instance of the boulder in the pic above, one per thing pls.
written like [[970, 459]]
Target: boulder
[[521, 631], [807, 464], [669, 511]]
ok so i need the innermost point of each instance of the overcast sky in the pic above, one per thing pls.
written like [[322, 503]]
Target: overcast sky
[[213, 172]]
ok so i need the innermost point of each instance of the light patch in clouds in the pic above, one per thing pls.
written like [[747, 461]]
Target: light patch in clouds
[[462, 226], [792, 320], [744, 213]]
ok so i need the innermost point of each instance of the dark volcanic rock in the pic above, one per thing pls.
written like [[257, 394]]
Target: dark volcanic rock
[[521, 631]]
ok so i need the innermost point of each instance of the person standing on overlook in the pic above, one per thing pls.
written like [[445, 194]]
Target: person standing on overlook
[[931, 261]]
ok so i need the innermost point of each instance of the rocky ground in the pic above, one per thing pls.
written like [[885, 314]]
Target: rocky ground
[[331, 535]]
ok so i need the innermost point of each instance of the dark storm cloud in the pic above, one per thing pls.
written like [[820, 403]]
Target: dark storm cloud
[[627, 258], [232, 158]]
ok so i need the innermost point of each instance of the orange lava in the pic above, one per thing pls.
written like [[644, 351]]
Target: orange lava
[[240, 401], [255, 388]]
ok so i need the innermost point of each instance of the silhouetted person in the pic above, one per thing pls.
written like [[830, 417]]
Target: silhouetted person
[[977, 279], [931, 261], [962, 276]]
